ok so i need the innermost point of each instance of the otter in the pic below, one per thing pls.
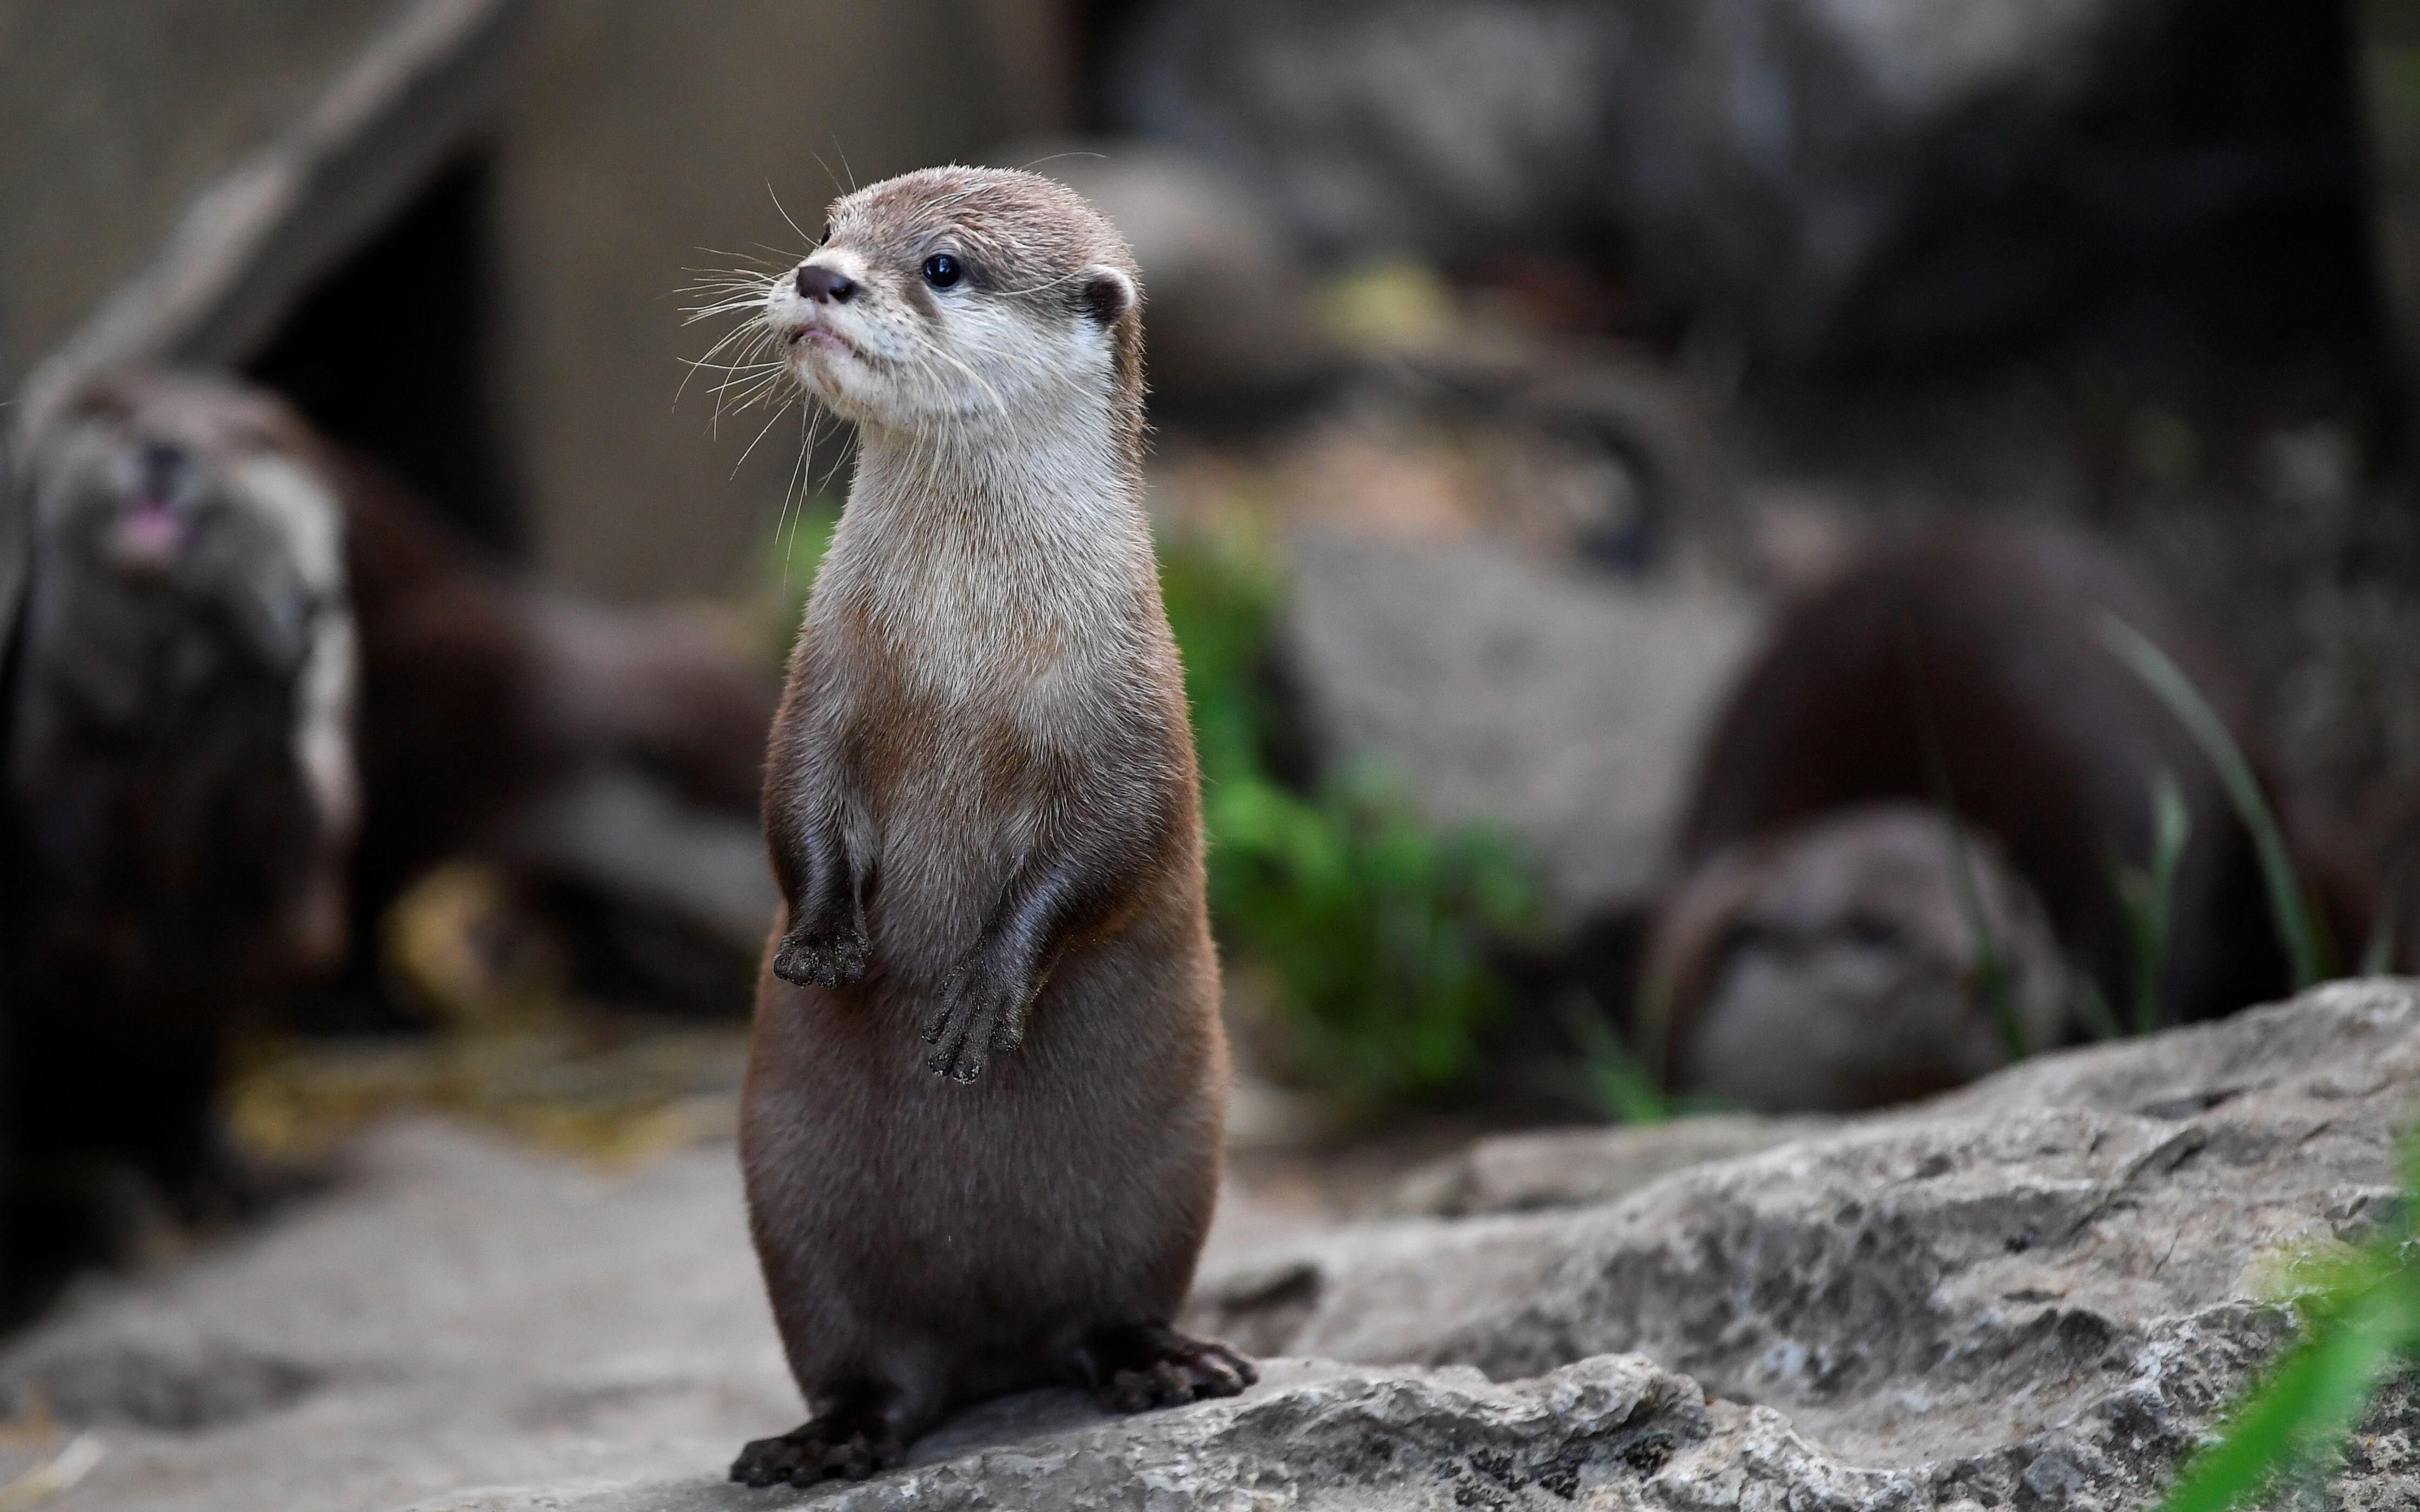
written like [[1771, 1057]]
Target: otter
[[260, 689], [1962, 667], [181, 765], [981, 1124], [1840, 963], [608, 759]]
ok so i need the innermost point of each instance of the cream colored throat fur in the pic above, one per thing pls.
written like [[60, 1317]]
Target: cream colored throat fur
[[1001, 563]]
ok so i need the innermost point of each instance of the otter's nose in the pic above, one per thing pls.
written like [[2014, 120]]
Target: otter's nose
[[823, 286], [164, 469]]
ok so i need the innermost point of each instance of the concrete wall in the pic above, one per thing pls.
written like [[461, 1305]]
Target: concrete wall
[[645, 134], [114, 111], [636, 134]]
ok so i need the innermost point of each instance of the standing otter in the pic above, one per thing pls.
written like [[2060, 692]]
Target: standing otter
[[981, 1125], [260, 683], [181, 763]]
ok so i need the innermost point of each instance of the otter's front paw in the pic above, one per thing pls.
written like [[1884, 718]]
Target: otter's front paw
[[823, 957], [983, 1010]]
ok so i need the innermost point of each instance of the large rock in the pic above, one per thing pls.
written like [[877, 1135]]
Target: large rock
[[2036, 1293], [2047, 1282], [1816, 177], [1578, 1168], [1562, 706]]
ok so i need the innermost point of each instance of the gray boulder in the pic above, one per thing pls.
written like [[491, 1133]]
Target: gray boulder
[[2045, 1283], [2036, 1291], [1578, 1168], [1503, 688]]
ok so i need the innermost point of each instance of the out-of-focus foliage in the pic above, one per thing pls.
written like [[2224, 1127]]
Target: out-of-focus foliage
[[2298, 923], [786, 571], [1374, 923], [2360, 1311]]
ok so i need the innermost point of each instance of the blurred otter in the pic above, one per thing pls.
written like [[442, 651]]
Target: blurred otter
[[1870, 956], [260, 690], [609, 758], [1964, 665], [181, 762]]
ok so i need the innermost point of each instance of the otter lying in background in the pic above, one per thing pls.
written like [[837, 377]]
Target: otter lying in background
[[1965, 665], [610, 757], [259, 689], [1836, 964]]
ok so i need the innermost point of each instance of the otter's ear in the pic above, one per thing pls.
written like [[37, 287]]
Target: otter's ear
[[1107, 294]]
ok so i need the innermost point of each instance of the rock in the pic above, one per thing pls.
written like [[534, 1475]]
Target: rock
[[1312, 1435], [1577, 1168], [1561, 705], [1816, 179], [1227, 309], [2036, 1291], [2051, 1280]]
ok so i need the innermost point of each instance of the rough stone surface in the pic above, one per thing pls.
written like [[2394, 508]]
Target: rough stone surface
[[2034, 1292], [1563, 705], [1575, 1167], [2050, 1279]]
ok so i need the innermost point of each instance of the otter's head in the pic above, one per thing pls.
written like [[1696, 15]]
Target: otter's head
[[192, 489], [950, 298], [189, 553]]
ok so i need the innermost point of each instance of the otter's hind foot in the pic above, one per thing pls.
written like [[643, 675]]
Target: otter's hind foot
[[1137, 1365], [854, 1442]]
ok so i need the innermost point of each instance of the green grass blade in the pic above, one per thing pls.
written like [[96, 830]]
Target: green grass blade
[[2295, 926], [2306, 1405], [2091, 1007], [2378, 956], [1623, 1082]]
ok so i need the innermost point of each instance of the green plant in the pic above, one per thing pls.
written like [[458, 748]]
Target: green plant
[[1623, 1081], [1375, 924], [2360, 1316], [2297, 923], [1991, 966], [786, 571], [2147, 894]]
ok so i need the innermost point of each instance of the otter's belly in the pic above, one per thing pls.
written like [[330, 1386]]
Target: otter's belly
[[1067, 1188]]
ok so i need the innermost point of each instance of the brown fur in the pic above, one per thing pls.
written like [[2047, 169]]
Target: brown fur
[[186, 867], [1834, 965], [186, 863], [482, 694], [981, 1127], [1988, 633]]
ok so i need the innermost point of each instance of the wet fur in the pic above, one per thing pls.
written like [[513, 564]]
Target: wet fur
[[980, 1126]]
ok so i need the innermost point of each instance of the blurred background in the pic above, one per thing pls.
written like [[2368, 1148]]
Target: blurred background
[[1664, 502]]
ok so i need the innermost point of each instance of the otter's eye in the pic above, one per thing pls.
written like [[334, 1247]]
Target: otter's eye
[[827, 241], [941, 270]]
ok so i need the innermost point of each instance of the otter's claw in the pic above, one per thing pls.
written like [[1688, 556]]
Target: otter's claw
[[823, 958], [851, 1445], [1138, 1367], [980, 1014]]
